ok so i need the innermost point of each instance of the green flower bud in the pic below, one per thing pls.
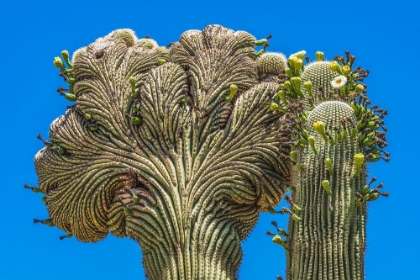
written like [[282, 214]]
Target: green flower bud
[[311, 141], [328, 164], [88, 116], [278, 240], [93, 127], [319, 56], [70, 97], [359, 88], [373, 196], [365, 190], [44, 199], [274, 106], [291, 188], [132, 81], [135, 120], [66, 57], [300, 54], [59, 63], [261, 42], [296, 83], [326, 185], [334, 66], [161, 61], [282, 95], [319, 127], [296, 208], [287, 85], [346, 70], [127, 211], [293, 155], [288, 72], [296, 218], [233, 89], [358, 162], [308, 87], [135, 198]]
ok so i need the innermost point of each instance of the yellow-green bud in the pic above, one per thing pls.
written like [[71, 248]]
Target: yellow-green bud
[[326, 186], [233, 89], [88, 116], [161, 61], [334, 66], [278, 240], [135, 120], [66, 56], [311, 141], [358, 162], [296, 218], [296, 208], [319, 56], [282, 95], [300, 54], [308, 87], [346, 70], [261, 42], [328, 164], [132, 81], [296, 82], [288, 72], [373, 196], [287, 85], [293, 155], [359, 88], [70, 97], [319, 127], [274, 106], [59, 63]]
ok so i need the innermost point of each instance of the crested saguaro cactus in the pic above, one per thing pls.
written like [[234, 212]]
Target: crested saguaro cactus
[[335, 134], [176, 148]]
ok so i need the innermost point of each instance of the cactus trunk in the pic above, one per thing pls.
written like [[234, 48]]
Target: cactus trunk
[[329, 240]]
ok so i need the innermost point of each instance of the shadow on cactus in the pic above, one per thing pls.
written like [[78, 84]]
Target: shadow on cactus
[[176, 148]]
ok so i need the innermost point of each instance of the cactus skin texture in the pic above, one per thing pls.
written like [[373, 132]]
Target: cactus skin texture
[[329, 240], [175, 148]]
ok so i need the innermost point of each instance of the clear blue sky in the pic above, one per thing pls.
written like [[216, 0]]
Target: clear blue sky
[[383, 37]]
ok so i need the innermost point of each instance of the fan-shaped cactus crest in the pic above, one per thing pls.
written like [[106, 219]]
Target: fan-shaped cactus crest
[[174, 147]]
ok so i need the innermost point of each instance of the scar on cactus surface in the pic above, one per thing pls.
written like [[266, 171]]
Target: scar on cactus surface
[[177, 147]]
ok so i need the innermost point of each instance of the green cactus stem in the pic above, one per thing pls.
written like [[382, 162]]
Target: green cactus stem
[[329, 241], [156, 122]]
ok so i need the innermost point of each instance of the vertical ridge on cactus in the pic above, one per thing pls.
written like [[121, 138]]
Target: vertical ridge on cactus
[[154, 150]]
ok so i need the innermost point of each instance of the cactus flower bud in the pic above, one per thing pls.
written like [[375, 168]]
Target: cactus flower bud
[[65, 55], [296, 218], [346, 70], [282, 95], [300, 54], [59, 63], [293, 155], [274, 106], [319, 127], [373, 196], [135, 120], [127, 211], [326, 185], [282, 232], [319, 56], [328, 164], [358, 161], [359, 88], [161, 61], [70, 97], [308, 87], [288, 72], [334, 66], [311, 141], [296, 82], [287, 85], [135, 198], [261, 42], [88, 116], [233, 89]]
